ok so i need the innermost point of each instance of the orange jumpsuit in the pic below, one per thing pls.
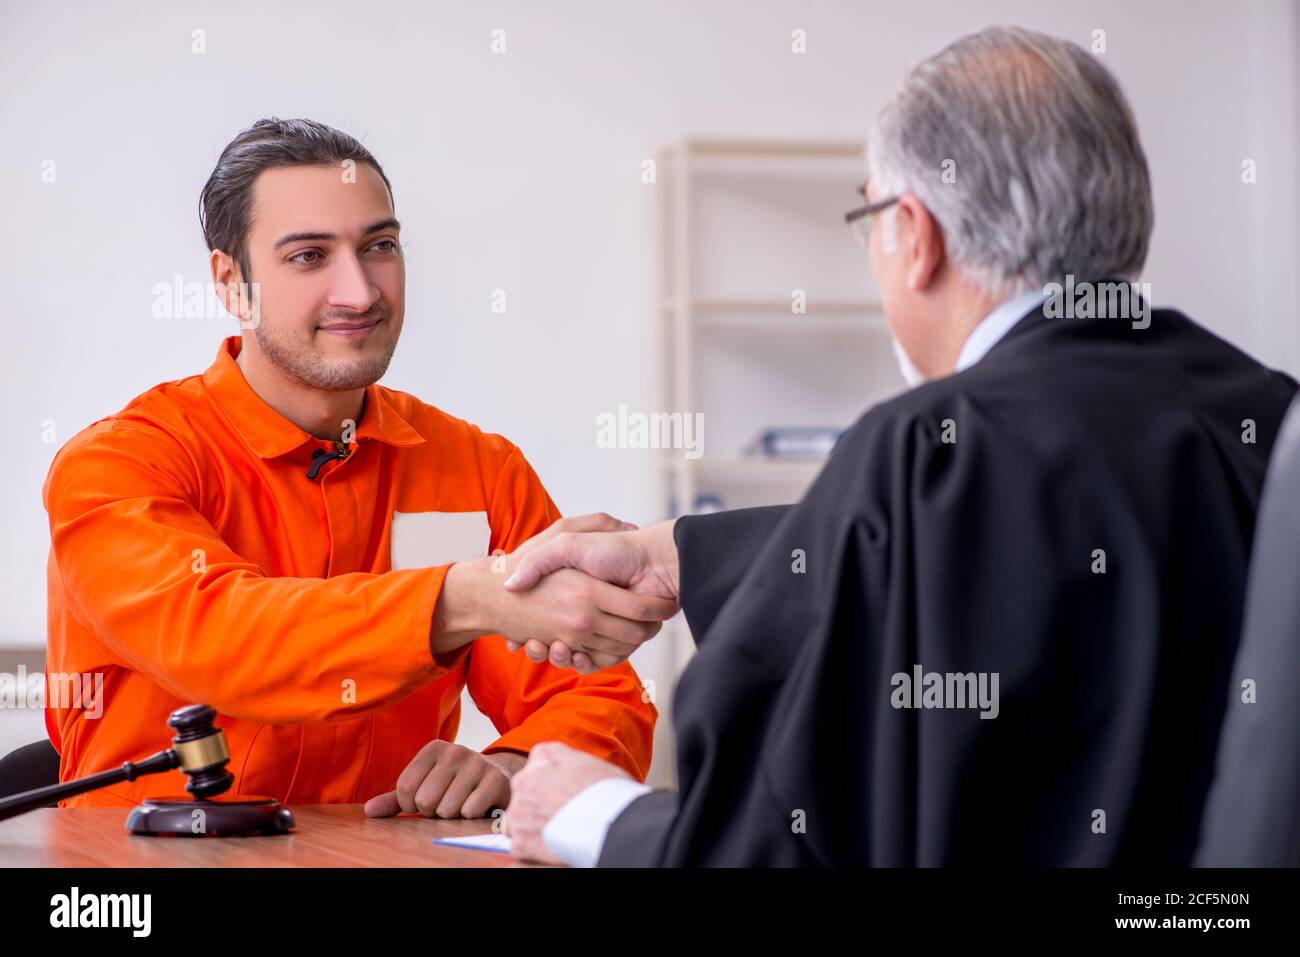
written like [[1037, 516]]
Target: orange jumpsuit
[[192, 560]]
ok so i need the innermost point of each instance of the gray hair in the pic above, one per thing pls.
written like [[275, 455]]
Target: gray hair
[[1050, 178]]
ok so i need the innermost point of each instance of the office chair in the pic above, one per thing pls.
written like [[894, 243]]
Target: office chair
[[32, 766]]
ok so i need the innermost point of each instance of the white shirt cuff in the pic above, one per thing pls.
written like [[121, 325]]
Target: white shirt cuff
[[576, 833]]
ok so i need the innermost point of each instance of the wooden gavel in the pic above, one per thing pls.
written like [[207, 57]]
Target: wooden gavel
[[199, 750]]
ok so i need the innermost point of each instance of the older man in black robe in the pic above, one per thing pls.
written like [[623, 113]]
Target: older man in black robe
[[999, 627]]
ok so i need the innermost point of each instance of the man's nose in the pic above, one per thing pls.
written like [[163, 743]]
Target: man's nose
[[351, 287]]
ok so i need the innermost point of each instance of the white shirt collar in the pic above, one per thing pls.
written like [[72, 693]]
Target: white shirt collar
[[996, 325]]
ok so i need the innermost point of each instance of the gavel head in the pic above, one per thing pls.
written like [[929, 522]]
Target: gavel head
[[202, 750]]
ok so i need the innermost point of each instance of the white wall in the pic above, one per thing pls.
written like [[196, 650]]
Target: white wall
[[521, 172]]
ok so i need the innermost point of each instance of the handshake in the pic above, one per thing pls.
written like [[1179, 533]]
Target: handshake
[[583, 594]]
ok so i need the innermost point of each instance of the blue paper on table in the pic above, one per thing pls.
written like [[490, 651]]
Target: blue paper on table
[[496, 843]]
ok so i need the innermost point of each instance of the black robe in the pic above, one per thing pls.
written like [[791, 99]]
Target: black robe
[[1073, 514]]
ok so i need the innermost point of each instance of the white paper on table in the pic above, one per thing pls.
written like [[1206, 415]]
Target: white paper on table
[[497, 843]]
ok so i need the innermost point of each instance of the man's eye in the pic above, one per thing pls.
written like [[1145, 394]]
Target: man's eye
[[387, 244], [305, 252]]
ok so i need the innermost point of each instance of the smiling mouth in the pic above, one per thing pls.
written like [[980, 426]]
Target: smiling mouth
[[351, 327]]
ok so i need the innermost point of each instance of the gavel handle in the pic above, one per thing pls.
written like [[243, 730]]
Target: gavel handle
[[29, 800]]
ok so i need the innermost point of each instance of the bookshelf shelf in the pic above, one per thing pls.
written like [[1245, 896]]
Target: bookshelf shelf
[[766, 317]]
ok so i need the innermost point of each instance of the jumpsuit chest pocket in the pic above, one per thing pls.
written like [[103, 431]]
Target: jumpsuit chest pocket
[[423, 539]]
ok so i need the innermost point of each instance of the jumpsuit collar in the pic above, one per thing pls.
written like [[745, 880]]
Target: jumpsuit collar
[[269, 434]]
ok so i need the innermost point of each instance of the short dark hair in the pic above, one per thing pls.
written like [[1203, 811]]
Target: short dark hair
[[226, 202]]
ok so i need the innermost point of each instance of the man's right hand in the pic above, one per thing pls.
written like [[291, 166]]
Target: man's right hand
[[642, 560], [603, 622]]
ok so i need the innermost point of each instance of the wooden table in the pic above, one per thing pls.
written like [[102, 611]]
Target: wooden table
[[326, 835]]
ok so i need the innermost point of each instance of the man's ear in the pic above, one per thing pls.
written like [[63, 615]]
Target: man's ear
[[227, 280], [921, 239]]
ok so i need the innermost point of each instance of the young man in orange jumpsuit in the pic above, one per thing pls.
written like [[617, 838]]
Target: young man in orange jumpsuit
[[316, 556]]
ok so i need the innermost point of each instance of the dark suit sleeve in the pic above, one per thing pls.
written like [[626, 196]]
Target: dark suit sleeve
[[637, 836], [713, 552], [1252, 817]]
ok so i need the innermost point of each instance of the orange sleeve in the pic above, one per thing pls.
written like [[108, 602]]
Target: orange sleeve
[[151, 577], [605, 714]]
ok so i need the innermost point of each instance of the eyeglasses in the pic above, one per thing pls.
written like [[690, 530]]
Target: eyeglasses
[[859, 220]]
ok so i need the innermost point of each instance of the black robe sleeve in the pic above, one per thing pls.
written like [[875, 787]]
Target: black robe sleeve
[[745, 678], [713, 553]]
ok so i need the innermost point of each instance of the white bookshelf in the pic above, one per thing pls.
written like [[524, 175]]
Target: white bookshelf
[[741, 225]]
